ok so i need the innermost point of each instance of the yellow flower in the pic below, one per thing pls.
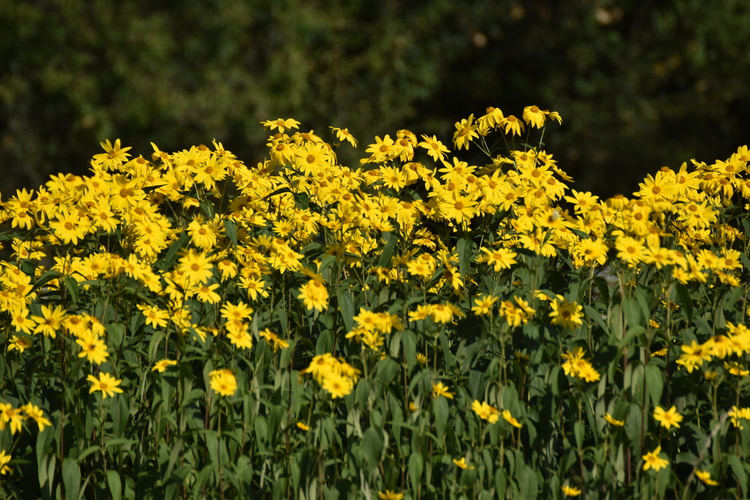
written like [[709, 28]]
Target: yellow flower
[[93, 347], [441, 390], [736, 369], [570, 491], [162, 365], [566, 314], [483, 304], [12, 415], [669, 418], [509, 418], [314, 295], [652, 460], [390, 495], [421, 358], [705, 476], [303, 426], [609, 418], [485, 411], [35, 413], [223, 382], [338, 385], [273, 340], [462, 463], [534, 116], [4, 459], [281, 124], [105, 383]]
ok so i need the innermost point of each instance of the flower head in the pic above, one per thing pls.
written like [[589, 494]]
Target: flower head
[[652, 460], [667, 418], [105, 383]]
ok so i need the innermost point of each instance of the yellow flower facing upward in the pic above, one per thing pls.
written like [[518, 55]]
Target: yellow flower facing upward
[[105, 383], [461, 463], [570, 491], [509, 418], [652, 460], [440, 389], [484, 304], [281, 124], [705, 477], [223, 382], [667, 418]]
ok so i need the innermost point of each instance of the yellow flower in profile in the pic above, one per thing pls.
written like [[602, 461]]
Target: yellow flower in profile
[[570, 491], [105, 383], [440, 389], [273, 340], [281, 124], [343, 134], [421, 358], [485, 411], [390, 495], [223, 382], [534, 116], [705, 477], [461, 463], [35, 413], [652, 460], [161, 365], [667, 418], [509, 418], [613, 421], [4, 459], [303, 426], [736, 369]]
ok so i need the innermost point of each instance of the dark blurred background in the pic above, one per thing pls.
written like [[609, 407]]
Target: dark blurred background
[[639, 83]]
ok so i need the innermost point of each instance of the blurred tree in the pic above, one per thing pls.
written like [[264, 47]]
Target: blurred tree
[[639, 84]]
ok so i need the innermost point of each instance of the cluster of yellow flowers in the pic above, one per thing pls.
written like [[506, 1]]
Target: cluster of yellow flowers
[[735, 343], [166, 225], [335, 375]]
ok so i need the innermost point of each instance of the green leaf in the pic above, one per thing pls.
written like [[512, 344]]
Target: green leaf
[[464, 246], [685, 301], [416, 466], [440, 410], [739, 472], [115, 484], [71, 475], [346, 306], [654, 383], [72, 286], [372, 442], [169, 259], [230, 229], [389, 250]]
